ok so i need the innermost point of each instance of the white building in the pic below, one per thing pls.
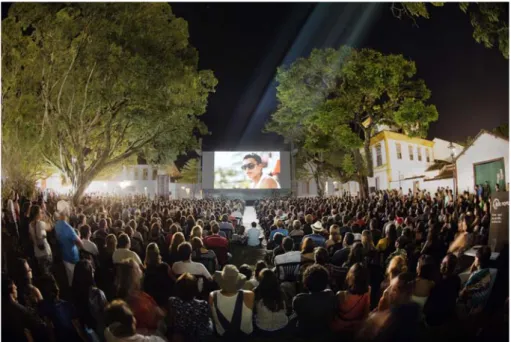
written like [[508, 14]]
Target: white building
[[485, 160]]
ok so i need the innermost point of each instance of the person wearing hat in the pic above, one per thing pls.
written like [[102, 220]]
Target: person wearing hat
[[231, 306], [317, 236], [69, 241]]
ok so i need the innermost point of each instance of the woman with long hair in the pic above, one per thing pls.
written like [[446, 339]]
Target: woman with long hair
[[196, 232], [21, 273], [89, 300], [424, 282], [205, 256], [37, 230], [177, 239], [397, 265], [307, 249], [270, 309], [354, 303], [367, 243], [356, 255], [128, 283], [158, 278]]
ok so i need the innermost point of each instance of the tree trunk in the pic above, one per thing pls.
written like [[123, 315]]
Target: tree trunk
[[319, 184], [79, 189], [368, 156], [363, 186]]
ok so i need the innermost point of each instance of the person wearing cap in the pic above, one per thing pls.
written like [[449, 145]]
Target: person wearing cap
[[69, 241], [231, 307], [316, 236]]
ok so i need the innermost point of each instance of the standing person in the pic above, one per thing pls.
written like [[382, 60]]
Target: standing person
[[69, 243], [88, 245], [37, 230], [231, 307]]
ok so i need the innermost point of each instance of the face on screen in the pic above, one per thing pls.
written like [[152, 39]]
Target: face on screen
[[251, 168]]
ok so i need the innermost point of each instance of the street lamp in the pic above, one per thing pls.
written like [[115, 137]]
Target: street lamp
[[452, 148]]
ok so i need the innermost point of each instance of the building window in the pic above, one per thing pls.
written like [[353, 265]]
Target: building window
[[398, 150], [145, 174], [155, 174], [419, 154], [410, 151], [379, 160], [135, 174], [428, 159]]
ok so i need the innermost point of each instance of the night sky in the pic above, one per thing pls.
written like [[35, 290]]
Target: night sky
[[244, 43]]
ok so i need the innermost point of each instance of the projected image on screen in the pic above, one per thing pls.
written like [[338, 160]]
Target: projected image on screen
[[247, 170]]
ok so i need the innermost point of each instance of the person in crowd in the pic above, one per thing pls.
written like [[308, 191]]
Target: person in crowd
[[88, 299], [260, 265], [341, 256], [396, 266], [307, 250], [307, 227], [334, 237], [401, 251], [254, 235], [424, 282], [375, 232], [62, 314], [158, 278], [88, 246], [122, 324], [218, 244], [297, 229], [278, 249], [231, 307], [270, 312], [440, 308], [477, 289], [177, 239], [247, 272], [189, 317], [289, 255], [19, 323], [367, 243], [317, 235], [280, 230], [356, 255], [37, 232], [354, 303], [186, 265], [226, 226], [123, 251], [27, 294], [69, 243], [387, 243], [465, 239], [203, 255], [239, 236], [316, 308], [128, 283]]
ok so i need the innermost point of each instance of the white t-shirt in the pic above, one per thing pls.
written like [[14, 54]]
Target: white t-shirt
[[122, 253], [195, 268], [38, 235], [90, 247]]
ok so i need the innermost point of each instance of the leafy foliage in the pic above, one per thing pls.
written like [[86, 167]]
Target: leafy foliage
[[489, 20], [190, 172], [331, 103], [98, 83]]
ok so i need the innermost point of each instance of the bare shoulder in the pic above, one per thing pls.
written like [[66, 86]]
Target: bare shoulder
[[269, 183]]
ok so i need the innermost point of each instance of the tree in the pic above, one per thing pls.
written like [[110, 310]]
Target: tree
[[489, 20], [190, 172], [99, 83], [334, 100]]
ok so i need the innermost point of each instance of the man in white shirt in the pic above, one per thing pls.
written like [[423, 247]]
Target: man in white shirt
[[289, 255], [186, 265], [123, 252], [255, 235], [88, 245]]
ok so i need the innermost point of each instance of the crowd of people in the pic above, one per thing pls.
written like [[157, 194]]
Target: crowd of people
[[385, 268]]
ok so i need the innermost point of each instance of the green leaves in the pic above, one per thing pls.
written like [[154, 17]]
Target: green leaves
[[116, 79]]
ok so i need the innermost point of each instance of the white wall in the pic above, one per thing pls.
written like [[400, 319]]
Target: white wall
[[487, 147], [406, 168], [442, 151]]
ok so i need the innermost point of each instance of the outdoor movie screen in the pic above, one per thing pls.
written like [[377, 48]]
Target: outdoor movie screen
[[247, 170]]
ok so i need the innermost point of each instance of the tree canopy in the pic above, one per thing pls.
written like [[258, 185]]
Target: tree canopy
[[190, 172], [98, 83], [489, 20], [331, 103]]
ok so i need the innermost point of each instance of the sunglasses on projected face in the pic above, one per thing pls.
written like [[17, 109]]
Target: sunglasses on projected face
[[249, 166]]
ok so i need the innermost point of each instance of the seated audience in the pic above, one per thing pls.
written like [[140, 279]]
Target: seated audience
[[205, 256], [123, 251], [269, 309], [307, 250], [317, 235], [231, 307], [341, 256], [188, 316], [158, 278]]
